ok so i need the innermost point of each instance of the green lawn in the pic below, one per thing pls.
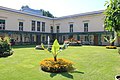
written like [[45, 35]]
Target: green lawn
[[92, 63]]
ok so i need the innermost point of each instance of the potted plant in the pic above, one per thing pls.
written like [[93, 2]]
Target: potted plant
[[117, 77]]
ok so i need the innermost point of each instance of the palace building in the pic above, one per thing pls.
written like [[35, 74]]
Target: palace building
[[29, 27]]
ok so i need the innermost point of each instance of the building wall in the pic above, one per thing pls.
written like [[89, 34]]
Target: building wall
[[95, 23], [12, 20]]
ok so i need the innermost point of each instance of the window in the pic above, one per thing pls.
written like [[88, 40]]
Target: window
[[71, 27], [43, 26], [63, 38], [78, 37], [90, 38], [33, 25], [51, 29], [38, 25], [85, 27], [43, 39], [58, 29], [2, 24], [86, 38], [26, 38], [33, 38], [20, 26]]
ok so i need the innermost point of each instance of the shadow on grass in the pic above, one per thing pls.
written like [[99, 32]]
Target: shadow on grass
[[66, 74], [5, 55]]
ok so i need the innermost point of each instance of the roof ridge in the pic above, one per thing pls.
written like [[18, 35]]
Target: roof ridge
[[63, 17], [23, 12]]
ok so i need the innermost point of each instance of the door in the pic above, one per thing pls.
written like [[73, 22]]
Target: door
[[95, 39], [21, 38], [53, 38], [38, 39]]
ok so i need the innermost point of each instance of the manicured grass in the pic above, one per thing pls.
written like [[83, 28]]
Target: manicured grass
[[91, 62]]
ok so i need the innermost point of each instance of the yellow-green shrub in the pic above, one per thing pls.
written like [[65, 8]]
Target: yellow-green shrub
[[61, 65]]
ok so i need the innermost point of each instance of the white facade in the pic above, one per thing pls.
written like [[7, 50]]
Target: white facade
[[95, 23], [12, 20], [79, 25]]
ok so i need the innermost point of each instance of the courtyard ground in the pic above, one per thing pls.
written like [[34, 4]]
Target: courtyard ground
[[91, 63]]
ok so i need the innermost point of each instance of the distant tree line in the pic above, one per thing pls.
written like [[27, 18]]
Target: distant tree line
[[44, 13]]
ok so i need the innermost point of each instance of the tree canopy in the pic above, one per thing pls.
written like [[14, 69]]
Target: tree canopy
[[47, 13], [112, 16]]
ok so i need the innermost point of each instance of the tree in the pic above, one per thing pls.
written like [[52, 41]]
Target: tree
[[47, 13], [112, 16], [55, 49], [110, 40]]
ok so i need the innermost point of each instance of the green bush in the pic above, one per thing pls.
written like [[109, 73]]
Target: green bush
[[5, 47]]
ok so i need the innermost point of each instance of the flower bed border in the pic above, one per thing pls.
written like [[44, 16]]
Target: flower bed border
[[61, 65], [111, 47]]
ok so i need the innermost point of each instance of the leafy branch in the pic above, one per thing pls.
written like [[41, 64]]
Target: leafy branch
[[55, 49]]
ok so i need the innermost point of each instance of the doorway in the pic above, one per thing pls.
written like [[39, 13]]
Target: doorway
[[38, 39], [95, 39]]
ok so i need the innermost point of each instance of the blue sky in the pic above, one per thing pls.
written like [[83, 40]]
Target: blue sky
[[57, 7]]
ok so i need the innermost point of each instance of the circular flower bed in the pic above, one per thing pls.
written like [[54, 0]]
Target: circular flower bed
[[61, 65], [111, 47]]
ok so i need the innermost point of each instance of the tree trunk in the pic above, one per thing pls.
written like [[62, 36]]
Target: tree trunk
[[55, 58]]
